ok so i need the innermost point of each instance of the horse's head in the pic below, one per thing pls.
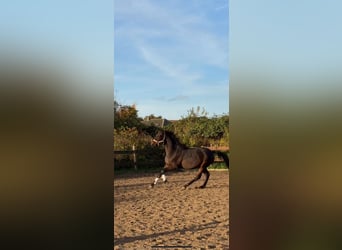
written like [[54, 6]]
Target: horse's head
[[159, 138]]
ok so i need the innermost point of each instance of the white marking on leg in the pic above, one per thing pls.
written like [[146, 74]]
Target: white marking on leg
[[163, 177], [156, 180]]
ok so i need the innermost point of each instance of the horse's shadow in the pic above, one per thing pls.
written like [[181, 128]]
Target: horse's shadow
[[125, 240]]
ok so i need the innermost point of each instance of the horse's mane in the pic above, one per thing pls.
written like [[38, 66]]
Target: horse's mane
[[175, 140]]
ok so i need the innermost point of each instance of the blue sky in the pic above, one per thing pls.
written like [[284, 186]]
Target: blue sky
[[170, 56]]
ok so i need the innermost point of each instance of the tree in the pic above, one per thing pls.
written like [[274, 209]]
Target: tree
[[126, 116], [152, 116], [196, 129], [129, 129]]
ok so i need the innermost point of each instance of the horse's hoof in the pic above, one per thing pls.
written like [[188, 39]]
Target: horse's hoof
[[184, 187], [151, 186], [201, 187], [165, 181]]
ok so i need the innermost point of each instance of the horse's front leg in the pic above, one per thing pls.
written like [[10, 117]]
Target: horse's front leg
[[161, 175]]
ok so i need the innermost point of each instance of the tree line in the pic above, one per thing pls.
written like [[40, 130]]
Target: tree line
[[194, 129]]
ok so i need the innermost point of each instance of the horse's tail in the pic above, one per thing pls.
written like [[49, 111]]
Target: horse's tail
[[224, 157]]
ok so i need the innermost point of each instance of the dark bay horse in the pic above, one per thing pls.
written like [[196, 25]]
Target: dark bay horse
[[179, 155]]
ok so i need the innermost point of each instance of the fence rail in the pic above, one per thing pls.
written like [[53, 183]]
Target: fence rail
[[218, 148], [125, 152], [134, 152]]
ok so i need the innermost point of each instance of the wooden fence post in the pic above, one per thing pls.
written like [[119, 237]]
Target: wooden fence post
[[134, 158]]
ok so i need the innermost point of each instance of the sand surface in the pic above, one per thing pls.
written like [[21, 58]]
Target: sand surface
[[168, 217]]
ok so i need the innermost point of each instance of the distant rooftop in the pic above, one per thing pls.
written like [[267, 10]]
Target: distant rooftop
[[158, 122]]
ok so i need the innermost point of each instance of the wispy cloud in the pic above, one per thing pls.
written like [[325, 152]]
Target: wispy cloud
[[185, 35], [178, 48], [222, 7], [176, 71], [178, 98]]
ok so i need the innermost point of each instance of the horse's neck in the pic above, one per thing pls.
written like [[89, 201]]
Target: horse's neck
[[170, 146]]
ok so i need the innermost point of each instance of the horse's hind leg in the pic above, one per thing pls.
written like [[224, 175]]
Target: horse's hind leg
[[198, 176], [207, 174]]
